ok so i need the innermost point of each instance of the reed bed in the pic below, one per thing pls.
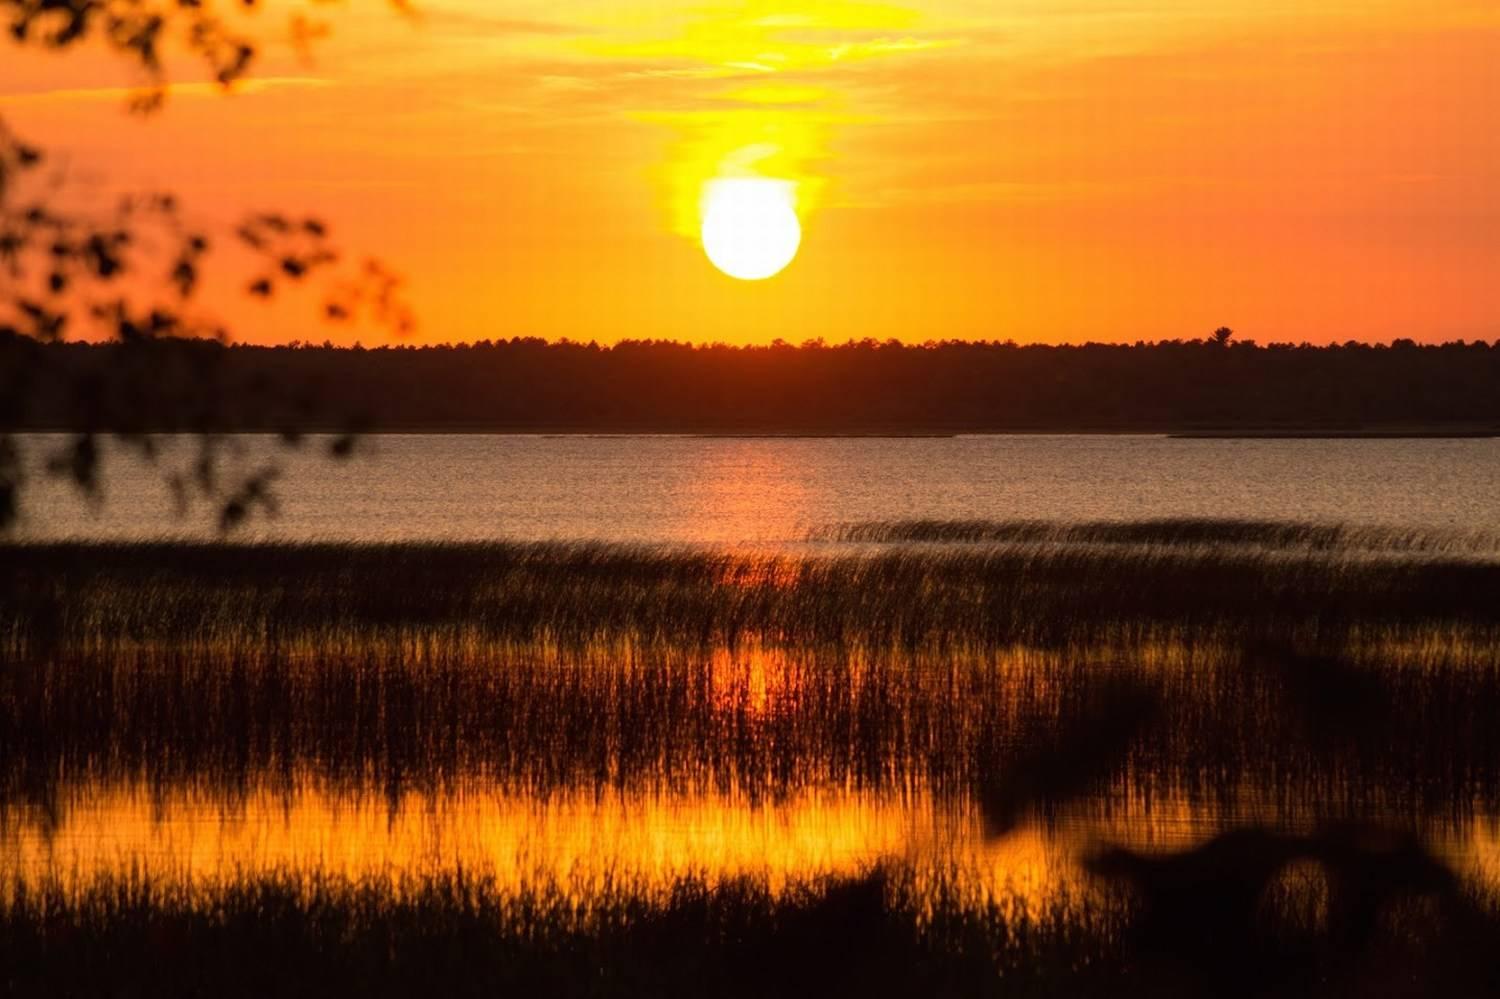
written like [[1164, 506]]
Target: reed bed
[[1295, 673], [756, 722], [246, 597], [550, 667], [452, 933], [1174, 532]]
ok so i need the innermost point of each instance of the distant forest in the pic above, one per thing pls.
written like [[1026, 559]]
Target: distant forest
[[1213, 385]]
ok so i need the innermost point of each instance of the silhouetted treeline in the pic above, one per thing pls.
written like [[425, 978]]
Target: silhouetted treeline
[[856, 387]]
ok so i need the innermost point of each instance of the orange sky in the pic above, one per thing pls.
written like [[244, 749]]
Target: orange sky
[[1096, 169]]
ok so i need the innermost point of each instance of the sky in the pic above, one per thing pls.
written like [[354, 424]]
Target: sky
[[1062, 171]]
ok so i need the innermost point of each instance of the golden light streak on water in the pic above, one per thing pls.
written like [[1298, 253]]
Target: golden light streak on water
[[582, 842]]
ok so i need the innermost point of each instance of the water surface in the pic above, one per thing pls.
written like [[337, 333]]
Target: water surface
[[770, 490]]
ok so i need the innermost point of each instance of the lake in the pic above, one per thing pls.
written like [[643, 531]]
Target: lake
[[777, 490]]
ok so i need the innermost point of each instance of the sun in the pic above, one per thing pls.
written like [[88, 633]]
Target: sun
[[750, 228]]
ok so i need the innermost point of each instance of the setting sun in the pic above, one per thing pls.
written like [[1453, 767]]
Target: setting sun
[[750, 228], [715, 499]]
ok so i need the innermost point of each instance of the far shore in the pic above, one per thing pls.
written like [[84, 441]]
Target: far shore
[[1351, 434], [774, 433]]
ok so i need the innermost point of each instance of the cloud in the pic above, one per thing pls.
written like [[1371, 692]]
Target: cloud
[[447, 17]]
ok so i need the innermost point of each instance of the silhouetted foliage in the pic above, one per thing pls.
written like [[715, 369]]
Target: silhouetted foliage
[[218, 36], [129, 275], [1204, 908]]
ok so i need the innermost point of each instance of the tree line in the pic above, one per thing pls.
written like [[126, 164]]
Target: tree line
[[528, 384]]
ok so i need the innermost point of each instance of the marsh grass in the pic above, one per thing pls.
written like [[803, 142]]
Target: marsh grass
[[328, 597], [547, 667], [454, 933], [1174, 532], [757, 722], [1313, 672]]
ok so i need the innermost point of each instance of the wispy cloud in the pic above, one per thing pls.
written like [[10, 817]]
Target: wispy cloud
[[494, 24]]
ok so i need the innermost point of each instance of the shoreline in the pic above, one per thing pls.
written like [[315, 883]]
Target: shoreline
[[1435, 432]]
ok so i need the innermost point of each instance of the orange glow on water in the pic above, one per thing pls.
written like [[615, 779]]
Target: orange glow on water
[[584, 843]]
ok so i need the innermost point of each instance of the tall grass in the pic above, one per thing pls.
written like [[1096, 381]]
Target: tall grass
[[1175, 532], [453, 934], [1303, 672], [255, 596], [757, 722], [560, 666]]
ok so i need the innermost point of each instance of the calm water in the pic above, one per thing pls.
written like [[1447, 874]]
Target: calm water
[[731, 490]]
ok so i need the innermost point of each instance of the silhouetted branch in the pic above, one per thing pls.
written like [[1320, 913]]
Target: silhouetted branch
[[130, 275]]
